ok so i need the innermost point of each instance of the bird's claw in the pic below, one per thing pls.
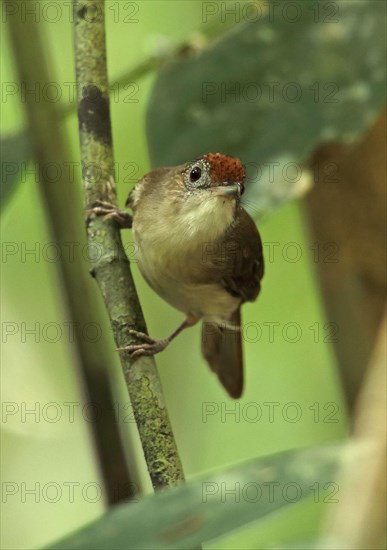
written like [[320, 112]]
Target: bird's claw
[[110, 212], [149, 347]]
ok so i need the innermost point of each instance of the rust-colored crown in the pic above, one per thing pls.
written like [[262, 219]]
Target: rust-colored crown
[[224, 168]]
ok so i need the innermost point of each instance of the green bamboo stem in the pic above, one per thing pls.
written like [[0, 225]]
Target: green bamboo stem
[[64, 216]]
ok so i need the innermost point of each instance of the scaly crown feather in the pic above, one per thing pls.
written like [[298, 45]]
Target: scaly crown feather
[[225, 169]]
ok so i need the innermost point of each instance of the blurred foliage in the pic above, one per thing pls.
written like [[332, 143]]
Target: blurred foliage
[[15, 151], [268, 94], [278, 370], [208, 507]]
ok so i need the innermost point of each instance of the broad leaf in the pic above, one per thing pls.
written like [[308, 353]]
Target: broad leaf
[[272, 90], [211, 506]]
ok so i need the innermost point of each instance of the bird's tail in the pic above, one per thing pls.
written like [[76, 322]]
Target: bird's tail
[[222, 348]]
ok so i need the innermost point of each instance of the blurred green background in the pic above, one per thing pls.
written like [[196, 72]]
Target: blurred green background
[[37, 451]]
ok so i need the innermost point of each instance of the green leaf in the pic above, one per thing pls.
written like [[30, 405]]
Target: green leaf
[[184, 517], [15, 151], [273, 90]]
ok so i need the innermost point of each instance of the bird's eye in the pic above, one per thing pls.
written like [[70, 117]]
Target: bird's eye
[[195, 174]]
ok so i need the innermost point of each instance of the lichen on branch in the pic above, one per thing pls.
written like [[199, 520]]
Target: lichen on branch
[[110, 266]]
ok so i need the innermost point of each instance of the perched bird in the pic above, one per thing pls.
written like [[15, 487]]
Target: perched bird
[[202, 253]]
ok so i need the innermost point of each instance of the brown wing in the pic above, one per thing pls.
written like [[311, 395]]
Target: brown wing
[[244, 267], [241, 259]]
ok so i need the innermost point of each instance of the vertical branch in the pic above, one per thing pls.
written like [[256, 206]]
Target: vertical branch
[[64, 216], [348, 219], [359, 518], [110, 267]]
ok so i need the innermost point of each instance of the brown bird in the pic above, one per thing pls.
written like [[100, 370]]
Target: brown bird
[[201, 252]]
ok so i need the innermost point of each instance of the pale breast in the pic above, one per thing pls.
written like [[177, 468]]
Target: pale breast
[[179, 275], [175, 258]]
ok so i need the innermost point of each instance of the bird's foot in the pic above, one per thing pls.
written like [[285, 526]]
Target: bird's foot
[[149, 347], [110, 212]]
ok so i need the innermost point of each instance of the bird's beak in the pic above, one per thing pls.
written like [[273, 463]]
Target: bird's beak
[[229, 190]]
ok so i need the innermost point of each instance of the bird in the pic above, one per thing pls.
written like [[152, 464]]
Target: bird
[[201, 252]]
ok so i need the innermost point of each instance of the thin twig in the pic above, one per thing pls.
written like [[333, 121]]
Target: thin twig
[[110, 266], [192, 46]]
